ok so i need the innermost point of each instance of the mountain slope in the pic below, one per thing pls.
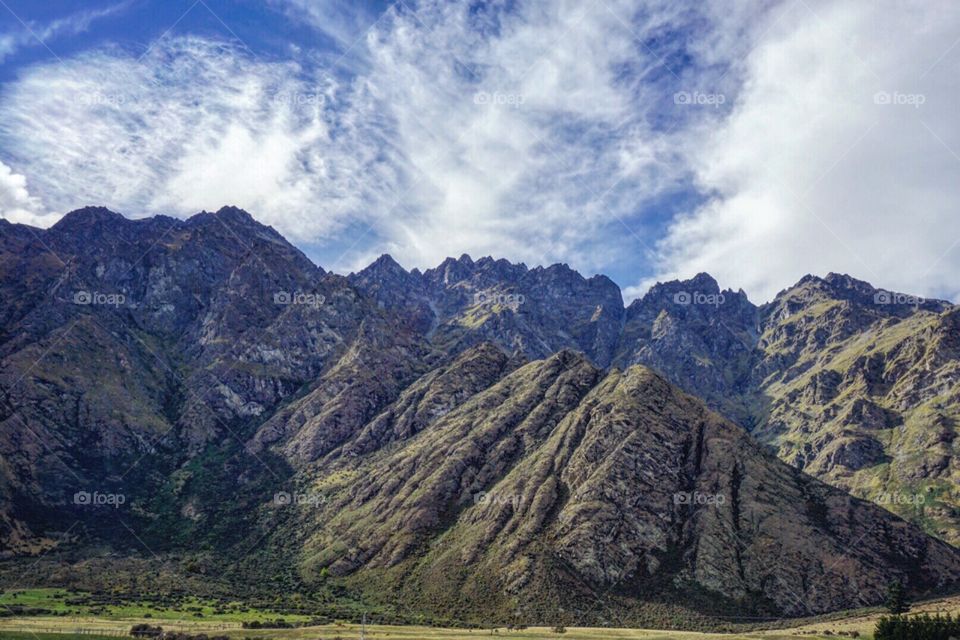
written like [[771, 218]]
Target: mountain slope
[[560, 482]]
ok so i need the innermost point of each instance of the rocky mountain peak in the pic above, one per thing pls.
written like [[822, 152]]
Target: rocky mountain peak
[[385, 264], [702, 283], [231, 216], [236, 213], [556, 455], [814, 292], [697, 294], [846, 281], [838, 286], [705, 280], [451, 270], [385, 272], [87, 217]]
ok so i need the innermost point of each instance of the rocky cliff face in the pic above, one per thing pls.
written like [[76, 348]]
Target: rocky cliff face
[[134, 345], [535, 312], [480, 428], [863, 388], [700, 337]]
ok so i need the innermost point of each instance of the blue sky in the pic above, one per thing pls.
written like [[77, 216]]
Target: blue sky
[[266, 27], [644, 139]]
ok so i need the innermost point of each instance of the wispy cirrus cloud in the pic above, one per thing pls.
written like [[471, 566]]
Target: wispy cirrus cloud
[[28, 34], [195, 124], [345, 22]]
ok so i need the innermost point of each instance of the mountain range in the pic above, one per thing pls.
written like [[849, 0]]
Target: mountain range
[[482, 439]]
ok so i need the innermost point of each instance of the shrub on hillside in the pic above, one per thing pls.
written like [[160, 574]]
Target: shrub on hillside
[[922, 627], [279, 623], [145, 631]]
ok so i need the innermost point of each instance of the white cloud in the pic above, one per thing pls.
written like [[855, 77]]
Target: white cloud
[[343, 21], [812, 175], [511, 127], [16, 203], [196, 124], [33, 35]]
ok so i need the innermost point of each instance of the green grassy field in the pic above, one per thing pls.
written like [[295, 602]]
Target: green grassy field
[[30, 635], [64, 603], [353, 631], [86, 616]]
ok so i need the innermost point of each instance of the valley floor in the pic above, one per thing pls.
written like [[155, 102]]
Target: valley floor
[[91, 630], [98, 628]]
